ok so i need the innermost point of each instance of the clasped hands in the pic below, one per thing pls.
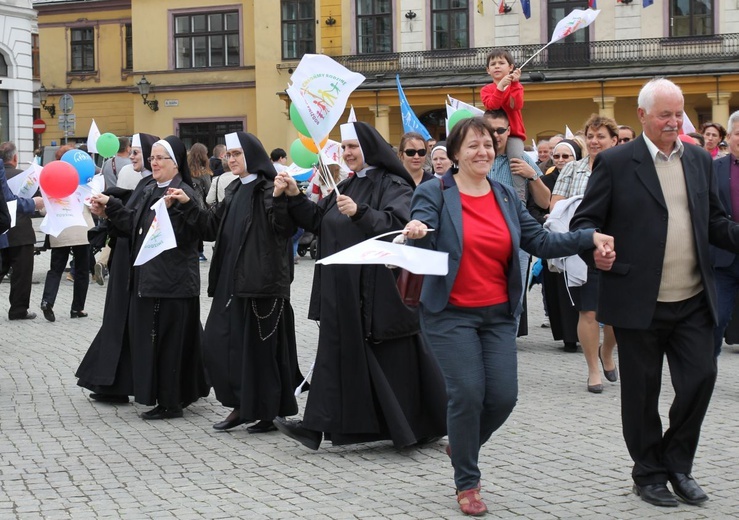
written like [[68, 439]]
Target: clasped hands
[[285, 183]]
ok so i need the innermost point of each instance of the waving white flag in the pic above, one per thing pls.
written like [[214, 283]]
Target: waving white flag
[[320, 89], [352, 116], [25, 184], [62, 213], [373, 251], [577, 19], [92, 138], [160, 236]]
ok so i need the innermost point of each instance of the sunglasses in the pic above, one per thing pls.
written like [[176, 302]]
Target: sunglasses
[[561, 156], [412, 153], [501, 130], [624, 140]]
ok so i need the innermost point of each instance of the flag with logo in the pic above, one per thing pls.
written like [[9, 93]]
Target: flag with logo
[[160, 236], [25, 184], [577, 19], [320, 90], [92, 138], [410, 120], [62, 213]]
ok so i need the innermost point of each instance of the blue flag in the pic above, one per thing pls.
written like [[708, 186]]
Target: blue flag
[[647, 3], [526, 8], [410, 121]]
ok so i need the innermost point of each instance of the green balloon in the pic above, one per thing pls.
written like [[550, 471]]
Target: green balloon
[[301, 155], [107, 145], [297, 120], [457, 116]]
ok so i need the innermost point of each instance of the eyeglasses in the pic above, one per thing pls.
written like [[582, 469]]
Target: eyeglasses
[[624, 140], [235, 154], [134, 153], [500, 130], [558, 156], [158, 158], [412, 153]]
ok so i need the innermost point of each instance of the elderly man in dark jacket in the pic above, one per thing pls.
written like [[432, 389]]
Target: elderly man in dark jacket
[[16, 248]]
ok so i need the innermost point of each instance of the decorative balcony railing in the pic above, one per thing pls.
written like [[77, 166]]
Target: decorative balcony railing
[[615, 53]]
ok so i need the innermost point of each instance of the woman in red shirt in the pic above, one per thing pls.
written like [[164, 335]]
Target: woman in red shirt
[[469, 315]]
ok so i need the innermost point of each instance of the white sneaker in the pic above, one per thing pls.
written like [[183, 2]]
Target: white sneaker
[[99, 275], [545, 323]]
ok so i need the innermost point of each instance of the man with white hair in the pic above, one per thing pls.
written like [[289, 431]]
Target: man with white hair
[[657, 198]]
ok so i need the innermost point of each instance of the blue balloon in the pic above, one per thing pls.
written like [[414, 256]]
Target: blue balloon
[[82, 162]]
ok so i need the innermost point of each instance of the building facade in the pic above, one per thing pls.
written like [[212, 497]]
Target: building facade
[[215, 66], [18, 68]]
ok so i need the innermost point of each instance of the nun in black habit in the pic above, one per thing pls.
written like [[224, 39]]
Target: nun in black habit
[[249, 344], [164, 311], [374, 378], [106, 368]]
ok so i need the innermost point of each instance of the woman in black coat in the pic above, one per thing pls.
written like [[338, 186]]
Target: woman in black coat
[[164, 313], [374, 378], [249, 344]]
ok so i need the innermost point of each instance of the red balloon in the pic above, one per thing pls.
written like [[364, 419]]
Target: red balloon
[[59, 179]]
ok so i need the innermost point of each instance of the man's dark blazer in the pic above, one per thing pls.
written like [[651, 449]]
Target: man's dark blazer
[[722, 181], [22, 234], [624, 199]]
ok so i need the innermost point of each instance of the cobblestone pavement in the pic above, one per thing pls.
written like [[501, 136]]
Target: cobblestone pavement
[[560, 455]]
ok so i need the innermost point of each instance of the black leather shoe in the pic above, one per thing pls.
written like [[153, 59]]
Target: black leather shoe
[[295, 430], [48, 310], [77, 314], [27, 316], [109, 398], [687, 489], [227, 425], [656, 494], [160, 412], [262, 427]]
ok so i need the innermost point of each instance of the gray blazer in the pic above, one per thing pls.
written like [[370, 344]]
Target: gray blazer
[[439, 206]]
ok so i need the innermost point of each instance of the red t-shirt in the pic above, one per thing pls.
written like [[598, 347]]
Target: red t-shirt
[[482, 279]]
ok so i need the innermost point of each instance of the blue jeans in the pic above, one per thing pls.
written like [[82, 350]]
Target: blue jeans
[[296, 239], [476, 350], [727, 285]]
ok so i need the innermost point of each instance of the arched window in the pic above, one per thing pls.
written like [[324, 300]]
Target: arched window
[[3, 66]]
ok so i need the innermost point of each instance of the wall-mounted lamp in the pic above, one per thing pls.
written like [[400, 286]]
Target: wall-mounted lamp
[[43, 95], [410, 15], [144, 88], [330, 21]]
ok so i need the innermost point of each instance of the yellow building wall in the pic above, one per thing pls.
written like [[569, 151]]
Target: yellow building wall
[[330, 41], [112, 110]]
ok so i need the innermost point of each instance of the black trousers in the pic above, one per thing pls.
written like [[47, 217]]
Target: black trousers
[[59, 257], [683, 332], [20, 258]]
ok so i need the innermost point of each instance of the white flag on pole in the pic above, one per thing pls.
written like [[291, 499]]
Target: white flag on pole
[[320, 90], [568, 133], [352, 116], [25, 184], [373, 251], [160, 236], [92, 138], [577, 19], [688, 127], [62, 213]]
